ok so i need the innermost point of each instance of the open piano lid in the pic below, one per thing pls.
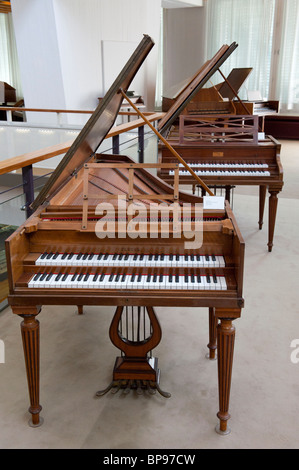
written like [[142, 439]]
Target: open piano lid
[[203, 75], [96, 128]]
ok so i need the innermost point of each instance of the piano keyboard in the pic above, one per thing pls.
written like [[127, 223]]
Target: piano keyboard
[[127, 281], [225, 169], [227, 165], [128, 260]]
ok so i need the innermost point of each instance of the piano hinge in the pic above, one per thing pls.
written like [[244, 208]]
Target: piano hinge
[[227, 227]]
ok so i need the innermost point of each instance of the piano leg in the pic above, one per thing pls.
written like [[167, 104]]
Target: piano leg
[[273, 201], [30, 337], [212, 345], [263, 190], [225, 341]]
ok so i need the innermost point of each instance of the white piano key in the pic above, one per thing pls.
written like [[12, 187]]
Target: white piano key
[[223, 283], [131, 281], [217, 283], [161, 281], [123, 281], [34, 280]]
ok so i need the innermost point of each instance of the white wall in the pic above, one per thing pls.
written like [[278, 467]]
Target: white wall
[[38, 53], [59, 45], [183, 45]]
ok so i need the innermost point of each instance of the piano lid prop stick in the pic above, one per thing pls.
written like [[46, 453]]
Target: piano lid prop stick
[[203, 185], [234, 92]]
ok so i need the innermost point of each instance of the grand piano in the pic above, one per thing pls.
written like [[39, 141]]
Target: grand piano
[[84, 246], [224, 150]]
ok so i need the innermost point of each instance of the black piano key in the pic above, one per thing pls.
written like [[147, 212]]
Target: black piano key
[[126, 257], [49, 277], [117, 277], [95, 277], [102, 277], [111, 277], [150, 257], [198, 258], [85, 256], [135, 257], [139, 278], [49, 255], [80, 277], [86, 277], [198, 278], [114, 257], [207, 258], [73, 278], [213, 258], [70, 256], [214, 278], [43, 256], [192, 278], [156, 257], [177, 278], [79, 256], [120, 257], [208, 278], [91, 256], [161, 278], [170, 257], [64, 255], [57, 277], [186, 257], [170, 278], [132, 277], [106, 256], [64, 277], [177, 257], [141, 257], [37, 276], [123, 278], [192, 257], [162, 257], [56, 255], [100, 255], [155, 278], [148, 278], [186, 278]]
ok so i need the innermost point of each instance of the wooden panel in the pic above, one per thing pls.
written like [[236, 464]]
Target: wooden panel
[[5, 7]]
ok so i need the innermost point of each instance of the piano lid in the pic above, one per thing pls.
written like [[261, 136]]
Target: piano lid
[[203, 75], [236, 78], [96, 128]]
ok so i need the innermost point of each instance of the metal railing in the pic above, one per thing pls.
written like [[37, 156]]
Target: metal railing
[[26, 161]]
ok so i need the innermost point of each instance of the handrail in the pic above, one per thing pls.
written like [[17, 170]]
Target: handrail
[[29, 158], [65, 111]]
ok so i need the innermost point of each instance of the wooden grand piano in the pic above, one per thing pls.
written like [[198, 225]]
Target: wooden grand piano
[[80, 247], [217, 99], [224, 151]]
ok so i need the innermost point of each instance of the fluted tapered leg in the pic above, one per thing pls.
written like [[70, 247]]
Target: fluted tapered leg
[[273, 201], [30, 337], [212, 345], [225, 344], [263, 190]]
